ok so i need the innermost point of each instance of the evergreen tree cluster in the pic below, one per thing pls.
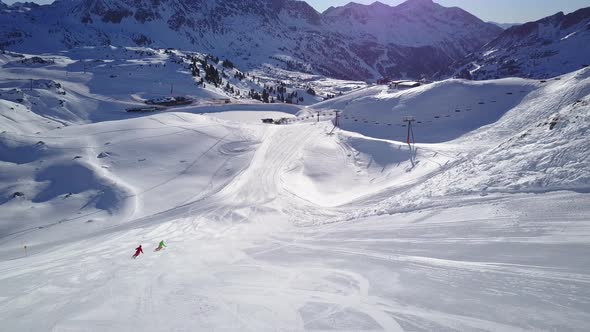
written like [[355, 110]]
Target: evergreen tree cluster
[[228, 64], [230, 88], [212, 58], [239, 75], [272, 92], [194, 68], [212, 75], [254, 94], [292, 98]]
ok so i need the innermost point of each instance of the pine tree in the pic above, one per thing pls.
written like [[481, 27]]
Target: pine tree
[[255, 95], [194, 69], [227, 64]]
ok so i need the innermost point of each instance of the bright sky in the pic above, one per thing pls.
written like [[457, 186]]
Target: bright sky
[[502, 11]]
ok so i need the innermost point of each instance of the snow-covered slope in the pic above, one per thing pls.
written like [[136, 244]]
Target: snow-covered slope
[[552, 46], [286, 33], [101, 173], [499, 127], [300, 226], [511, 135], [443, 110], [93, 84]]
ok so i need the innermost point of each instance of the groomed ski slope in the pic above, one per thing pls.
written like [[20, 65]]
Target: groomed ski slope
[[503, 263], [481, 227]]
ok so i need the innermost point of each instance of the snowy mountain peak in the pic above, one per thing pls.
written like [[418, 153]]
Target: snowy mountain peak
[[418, 4], [377, 8], [548, 47], [18, 6], [378, 4]]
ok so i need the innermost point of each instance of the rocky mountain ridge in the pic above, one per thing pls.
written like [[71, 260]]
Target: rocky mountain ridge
[[415, 39], [549, 47]]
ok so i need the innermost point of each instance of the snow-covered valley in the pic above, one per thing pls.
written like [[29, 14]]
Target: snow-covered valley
[[482, 225]]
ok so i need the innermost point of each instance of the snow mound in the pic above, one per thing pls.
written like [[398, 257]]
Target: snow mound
[[71, 178], [452, 109], [540, 145], [17, 152], [116, 171], [551, 154], [443, 110], [337, 170]]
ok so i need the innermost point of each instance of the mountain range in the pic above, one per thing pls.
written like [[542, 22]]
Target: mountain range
[[415, 39], [545, 48]]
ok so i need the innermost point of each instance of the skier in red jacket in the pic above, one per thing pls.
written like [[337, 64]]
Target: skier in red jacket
[[138, 251]]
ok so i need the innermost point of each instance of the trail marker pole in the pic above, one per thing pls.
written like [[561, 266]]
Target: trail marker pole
[[171, 88], [318, 116]]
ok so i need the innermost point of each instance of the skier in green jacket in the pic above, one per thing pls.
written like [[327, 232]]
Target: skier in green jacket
[[160, 246]]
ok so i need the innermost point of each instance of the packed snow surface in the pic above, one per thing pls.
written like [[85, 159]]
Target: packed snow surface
[[483, 224]]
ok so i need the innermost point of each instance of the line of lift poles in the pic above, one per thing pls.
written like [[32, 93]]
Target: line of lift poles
[[410, 140]]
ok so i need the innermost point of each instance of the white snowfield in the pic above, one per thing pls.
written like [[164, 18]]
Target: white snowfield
[[483, 226]]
